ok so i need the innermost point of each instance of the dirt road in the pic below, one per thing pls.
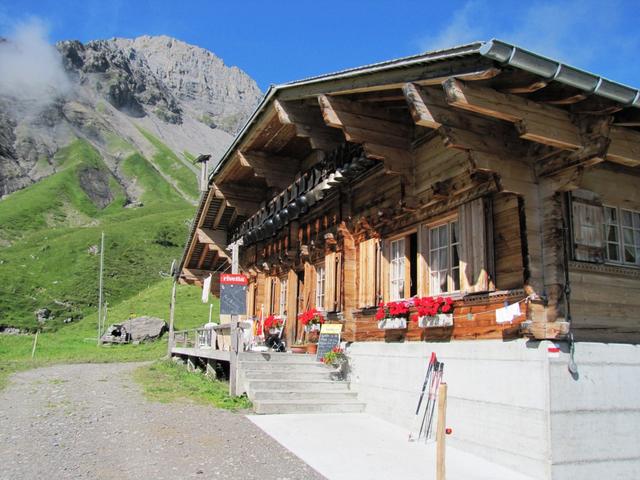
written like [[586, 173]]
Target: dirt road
[[91, 421]]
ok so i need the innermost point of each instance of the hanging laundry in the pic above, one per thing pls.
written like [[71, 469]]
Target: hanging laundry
[[206, 288], [508, 313]]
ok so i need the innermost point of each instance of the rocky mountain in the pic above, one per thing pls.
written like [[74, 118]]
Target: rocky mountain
[[125, 96], [100, 138]]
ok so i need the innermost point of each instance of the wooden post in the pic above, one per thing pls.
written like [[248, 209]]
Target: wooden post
[[172, 309], [440, 433], [233, 354], [100, 288], [35, 343]]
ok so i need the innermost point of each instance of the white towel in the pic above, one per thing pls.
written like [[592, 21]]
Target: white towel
[[507, 314], [206, 288]]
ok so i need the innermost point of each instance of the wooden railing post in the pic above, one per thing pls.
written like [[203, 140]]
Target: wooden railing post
[[440, 433]]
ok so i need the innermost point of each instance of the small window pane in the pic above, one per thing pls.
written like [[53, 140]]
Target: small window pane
[[627, 220], [629, 254]]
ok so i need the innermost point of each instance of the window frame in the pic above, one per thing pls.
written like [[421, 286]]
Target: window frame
[[397, 269], [321, 281], [386, 269], [282, 301], [620, 229], [451, 283]]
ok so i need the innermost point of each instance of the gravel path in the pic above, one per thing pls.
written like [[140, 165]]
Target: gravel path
[[91, 421]]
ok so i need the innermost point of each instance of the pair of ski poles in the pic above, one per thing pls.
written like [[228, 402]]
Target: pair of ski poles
[[432, 380]]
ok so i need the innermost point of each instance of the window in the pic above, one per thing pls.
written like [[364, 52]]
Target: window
[[622, 235], [320, 285], [397, 265], [444, 259], [612, 234], [272, 295], [283, 297]]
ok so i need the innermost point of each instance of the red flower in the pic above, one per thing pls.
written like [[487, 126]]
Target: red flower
[[414, 317], [446, 308]]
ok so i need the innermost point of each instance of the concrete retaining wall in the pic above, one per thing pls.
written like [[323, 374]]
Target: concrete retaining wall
[[595, 419], [496, 406], [512, 404]]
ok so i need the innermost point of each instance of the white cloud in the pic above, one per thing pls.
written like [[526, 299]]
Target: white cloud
[[31, 69]]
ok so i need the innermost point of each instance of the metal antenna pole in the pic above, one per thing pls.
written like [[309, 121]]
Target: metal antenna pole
[[100, 288], [233, 361], [172, 308]]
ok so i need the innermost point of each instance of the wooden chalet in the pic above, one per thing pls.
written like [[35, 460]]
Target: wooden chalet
[[484, 172]]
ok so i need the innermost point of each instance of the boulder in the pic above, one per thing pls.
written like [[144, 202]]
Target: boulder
[[42, 314], [140, 329]]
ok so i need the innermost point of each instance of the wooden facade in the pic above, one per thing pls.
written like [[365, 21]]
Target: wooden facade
[[455, 175]]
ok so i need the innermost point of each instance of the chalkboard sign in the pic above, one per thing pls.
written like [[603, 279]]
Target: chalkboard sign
[[329, 338], [233, 294]]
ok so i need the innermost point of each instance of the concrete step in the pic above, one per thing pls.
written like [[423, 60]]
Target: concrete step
[[276, 357], [303, 395], [286, 375], [307, 406], [293, 385], [283, 366]]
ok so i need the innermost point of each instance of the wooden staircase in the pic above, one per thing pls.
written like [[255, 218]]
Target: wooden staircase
[[294, 383]]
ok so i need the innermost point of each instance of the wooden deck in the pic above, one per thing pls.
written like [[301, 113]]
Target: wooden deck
[[208, 353]]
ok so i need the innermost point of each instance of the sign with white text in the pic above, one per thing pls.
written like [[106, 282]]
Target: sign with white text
[[233, 294]]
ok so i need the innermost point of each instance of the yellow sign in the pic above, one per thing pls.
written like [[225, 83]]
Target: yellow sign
[[331, 328]]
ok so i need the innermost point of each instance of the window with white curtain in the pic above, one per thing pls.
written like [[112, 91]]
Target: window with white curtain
[[444, 260], [283, 297], [397, 267], [320, 286]]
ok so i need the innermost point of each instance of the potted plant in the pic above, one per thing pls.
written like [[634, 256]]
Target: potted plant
[[433, 312], [392, 315], [312, 320], [336, 358], [273, 324]]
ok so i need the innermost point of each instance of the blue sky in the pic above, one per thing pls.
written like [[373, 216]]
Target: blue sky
[[275, 42]]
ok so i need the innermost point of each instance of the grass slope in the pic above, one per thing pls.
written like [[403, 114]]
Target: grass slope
[[51, 264], [169, 164], [47, 232], [167, 382]]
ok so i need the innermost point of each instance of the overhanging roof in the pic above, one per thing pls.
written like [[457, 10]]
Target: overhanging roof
[[495, 50]]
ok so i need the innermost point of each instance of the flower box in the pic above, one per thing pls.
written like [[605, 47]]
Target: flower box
[[436, 321], [392, 323]]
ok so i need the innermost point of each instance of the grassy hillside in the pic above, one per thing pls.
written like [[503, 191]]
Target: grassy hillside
[[77, 342], [171, 166], [51, 229]]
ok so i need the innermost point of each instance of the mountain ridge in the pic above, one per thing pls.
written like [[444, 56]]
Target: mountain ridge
[[182, 94]]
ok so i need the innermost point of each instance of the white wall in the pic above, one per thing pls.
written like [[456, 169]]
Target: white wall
[[513, 405], [497, 402], [595, 420]]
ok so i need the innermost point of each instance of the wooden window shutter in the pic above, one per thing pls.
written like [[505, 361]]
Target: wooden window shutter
[[423, 261], [292, 304], [275, 296], [474, 264], [251, 290], [267, 295], [309, 290], [332, 282], [369, 264], [588, 229]]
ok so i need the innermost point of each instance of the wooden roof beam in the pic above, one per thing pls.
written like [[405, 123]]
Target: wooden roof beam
[[429, 109], [624, 147], [278, 171], [214, 240], [535, 122], [308, 124], [244, 198], [381, 134]]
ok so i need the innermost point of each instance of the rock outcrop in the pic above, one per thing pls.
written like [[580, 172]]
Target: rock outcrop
[[182, 94]]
